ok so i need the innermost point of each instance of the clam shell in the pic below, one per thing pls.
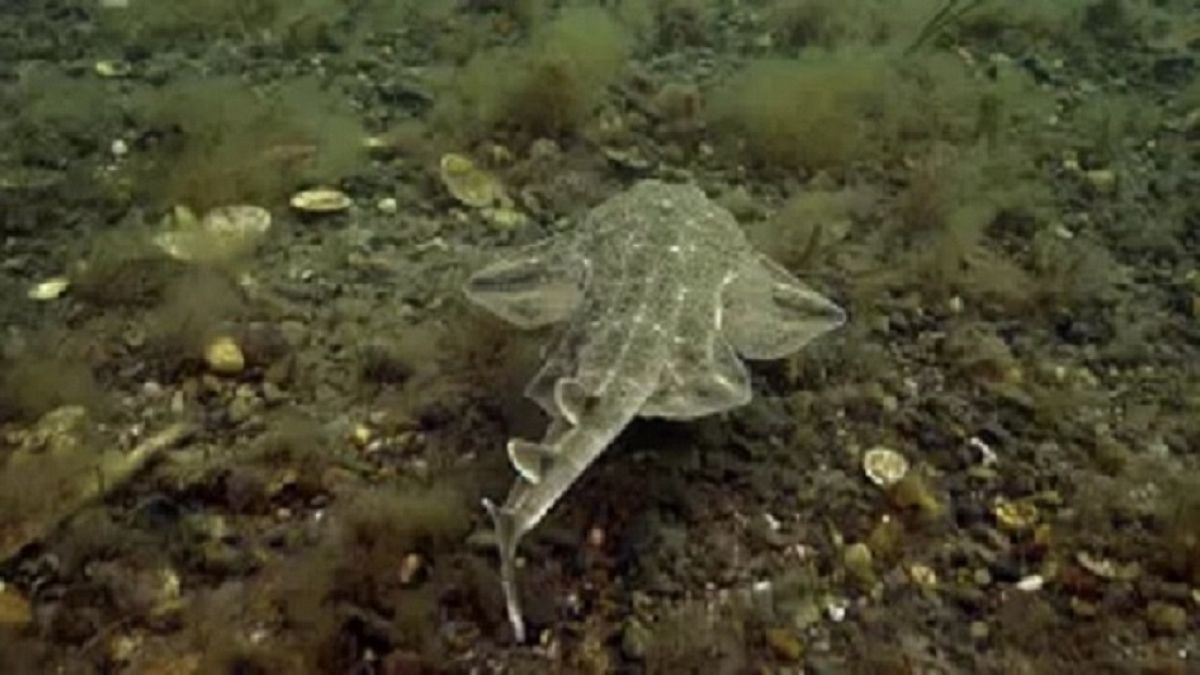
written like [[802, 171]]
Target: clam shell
[[469, 184], [224, 233], [49, 289], [321, 200]]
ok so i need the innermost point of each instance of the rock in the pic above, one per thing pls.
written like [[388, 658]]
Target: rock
[[859, 564], [785, 644], [242, 408], [111, 68], [14, 608], [224, 356], [1165, 618], [1102, 181], [635, 640], [1015, 516]]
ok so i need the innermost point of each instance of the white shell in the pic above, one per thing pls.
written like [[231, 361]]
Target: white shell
[[50, 289], [884, 466], [321, 200], [224, 233]]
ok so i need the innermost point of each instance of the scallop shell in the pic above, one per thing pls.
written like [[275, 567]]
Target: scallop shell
[[321, 200], [884, 466], [49, 289], [471, 185], [224, 233]]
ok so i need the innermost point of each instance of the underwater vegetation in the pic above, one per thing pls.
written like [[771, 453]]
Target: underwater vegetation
[[297, 24], [546, 87], [216, 141], [808, 113]]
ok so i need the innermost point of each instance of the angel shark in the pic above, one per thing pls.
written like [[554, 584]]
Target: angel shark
[[659, 292]]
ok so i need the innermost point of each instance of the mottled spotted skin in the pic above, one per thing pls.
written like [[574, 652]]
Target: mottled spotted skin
[[649, 285]]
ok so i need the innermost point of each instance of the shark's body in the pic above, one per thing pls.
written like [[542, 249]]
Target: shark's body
[[661, 291]]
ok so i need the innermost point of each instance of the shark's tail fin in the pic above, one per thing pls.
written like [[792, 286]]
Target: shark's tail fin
[[507, 538]]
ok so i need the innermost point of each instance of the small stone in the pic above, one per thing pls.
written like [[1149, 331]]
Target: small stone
[[1015, 516], [1031, 583], [14, 608], [1165, 618], [923, 575], [360, 435], [981, 577], [109, 68], [785, 644], [388, 205], [504, 218], [224, 356], [803, 614], [410, 567], [242, 408], [635, 640], [1101, 567], [884, 466], [1103, 181], [979, 630], [1083, 609], [859, 563], [119, 148]]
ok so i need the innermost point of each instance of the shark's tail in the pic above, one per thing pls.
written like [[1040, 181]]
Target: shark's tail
[[507, 538]]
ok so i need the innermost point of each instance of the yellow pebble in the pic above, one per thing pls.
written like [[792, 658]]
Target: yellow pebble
[[224, 356]]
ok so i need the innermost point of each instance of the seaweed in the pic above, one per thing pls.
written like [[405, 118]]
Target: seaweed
[[295, 24], [950, 13], [805, 113], [547, 87], [219, 141]]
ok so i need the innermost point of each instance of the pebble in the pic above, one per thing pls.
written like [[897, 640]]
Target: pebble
[[388, 205], [1015, 516], [785, 644], [224, 356], [1165, 618], [242, 408], [1103, 181], [14, 608], [859, 563], [635, 640], [1031, 583]]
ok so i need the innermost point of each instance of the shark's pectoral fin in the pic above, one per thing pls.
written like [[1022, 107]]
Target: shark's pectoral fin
[[534, 288], [686, 391], [529, 459], [768, 313], [571, 399]]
